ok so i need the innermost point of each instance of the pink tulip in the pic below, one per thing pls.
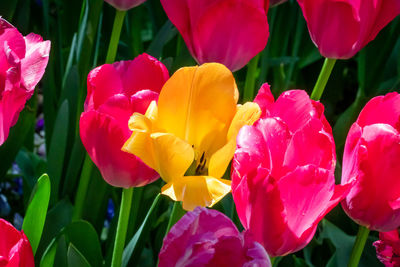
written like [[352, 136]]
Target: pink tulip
[[372, 157], [22, 64], [115, 92], [283, 172], [388, 248], [15, 249], [230, 32], [342, 28], [208, 238], [124, 4]]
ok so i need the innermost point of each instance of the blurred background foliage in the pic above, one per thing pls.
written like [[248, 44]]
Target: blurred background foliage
[[46, 137]]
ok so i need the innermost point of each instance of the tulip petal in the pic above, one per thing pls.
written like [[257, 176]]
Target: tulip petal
[[371, 200], [295, 108], [144, 72], [265, 99], [103, 137], [35, 61], [169, 155], [196, 191], [381, 109], [197, 104], [102, 83], [245, 115], [314, 189], [310, 145]]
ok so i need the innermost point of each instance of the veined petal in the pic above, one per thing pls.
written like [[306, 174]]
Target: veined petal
[[196, 191], [245, 115], [197, 104]]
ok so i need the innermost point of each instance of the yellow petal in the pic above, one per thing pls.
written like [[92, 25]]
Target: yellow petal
[[196, 191], [173, 156], [140, 143], [168, 155], [152, 111], [246, 115], [197, 104]]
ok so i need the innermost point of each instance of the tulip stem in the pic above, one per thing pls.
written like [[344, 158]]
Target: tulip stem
[[251, 79], [323, 78], [122, 227], [82, 188], [176, 213], [358, 247], [116, 32]]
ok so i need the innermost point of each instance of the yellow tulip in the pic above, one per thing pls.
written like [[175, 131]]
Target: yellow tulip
[[190, 137]]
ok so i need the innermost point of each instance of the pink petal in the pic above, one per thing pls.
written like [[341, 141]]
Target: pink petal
[[102, 83], [381, 109], [35, 61], [214, 31], [295, 108], [14, 40], [142, 99], [377, 182], [124, 4], [310, 145], [103, 138], [265, 99], [144, 72]]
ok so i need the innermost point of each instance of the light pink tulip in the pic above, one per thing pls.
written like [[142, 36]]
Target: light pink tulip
[[283, 172], [22, 64], [208, 238], [115, 92], [230, 32], [124, 4], [342, 28], [372, 157]]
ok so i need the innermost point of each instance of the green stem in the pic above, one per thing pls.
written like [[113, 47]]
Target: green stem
[[82, 188], [358, 247], [122, 227], [323, 78], [251, 79], [176, 213], [272, 259], [116, 32]]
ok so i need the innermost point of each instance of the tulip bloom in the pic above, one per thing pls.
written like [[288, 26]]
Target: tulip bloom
[[208, 238], [115, 91], [15, 249], [22, 64], [230, 32], [283, 172], [124, 5], [190, 137], [372, 157], [342, 28], [388, 248]]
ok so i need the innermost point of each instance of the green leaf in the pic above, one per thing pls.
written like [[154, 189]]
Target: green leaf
[[37, 211], [138, 237], [75, 258], [57, 149], [49, 255], [85, 239]]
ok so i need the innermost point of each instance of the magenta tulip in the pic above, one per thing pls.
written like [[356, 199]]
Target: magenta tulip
[[22, 64], [124, 4], [230, 32], [372, 157], [208, 238], [283, 172], [388, 248], [15, 249], [115, 92], [342, 28]]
